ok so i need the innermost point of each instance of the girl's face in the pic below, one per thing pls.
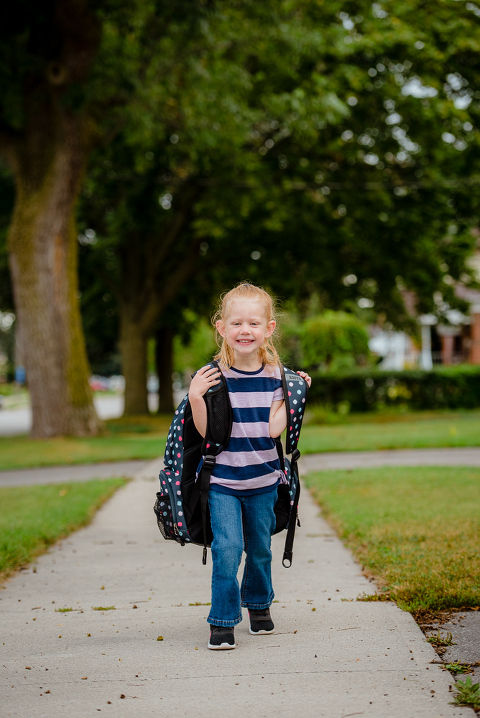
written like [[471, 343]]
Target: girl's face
[[246, 327]]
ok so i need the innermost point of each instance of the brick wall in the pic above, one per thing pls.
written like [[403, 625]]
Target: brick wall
[[475, 346]]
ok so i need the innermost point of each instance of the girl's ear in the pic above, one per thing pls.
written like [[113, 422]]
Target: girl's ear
[[220, 327], [270, 327]]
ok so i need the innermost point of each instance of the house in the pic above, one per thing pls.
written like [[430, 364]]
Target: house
[[455, 341]]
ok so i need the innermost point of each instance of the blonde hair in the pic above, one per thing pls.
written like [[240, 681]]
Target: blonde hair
[[245, 291]]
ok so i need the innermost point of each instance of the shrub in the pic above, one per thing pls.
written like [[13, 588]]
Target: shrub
[[369, 390], [334, 338]]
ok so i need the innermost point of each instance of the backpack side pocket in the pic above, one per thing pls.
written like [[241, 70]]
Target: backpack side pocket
[[163, 512], [170, 524]]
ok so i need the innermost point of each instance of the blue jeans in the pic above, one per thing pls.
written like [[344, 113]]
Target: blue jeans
[[238, 523]]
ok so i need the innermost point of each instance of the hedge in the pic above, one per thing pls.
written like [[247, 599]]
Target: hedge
[[368, 390]]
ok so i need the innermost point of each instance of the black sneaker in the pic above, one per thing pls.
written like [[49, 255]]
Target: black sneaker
[[221, 638], [260, 621]]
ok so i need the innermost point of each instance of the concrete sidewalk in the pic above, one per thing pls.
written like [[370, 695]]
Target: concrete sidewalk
[[70, 472], [330, 657]]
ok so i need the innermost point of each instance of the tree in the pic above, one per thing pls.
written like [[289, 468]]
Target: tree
[[251, 112], [164, 186], [45, 135]]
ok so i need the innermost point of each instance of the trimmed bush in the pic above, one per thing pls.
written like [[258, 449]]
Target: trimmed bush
[[334, 336], [368, 390]]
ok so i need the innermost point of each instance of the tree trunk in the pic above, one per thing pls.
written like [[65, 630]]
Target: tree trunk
[[48, 160], [133, 347], [164, 364], [145, 295]]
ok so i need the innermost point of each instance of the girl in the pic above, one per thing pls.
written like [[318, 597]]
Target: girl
[[243, 488]]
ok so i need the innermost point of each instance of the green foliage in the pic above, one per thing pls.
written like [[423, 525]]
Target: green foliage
[[338, 144], [441, 640], [468, 693], [34, 517], [195, 351], [275, 121], [333, 336], [414, 529], [458, 667], [370, 390]]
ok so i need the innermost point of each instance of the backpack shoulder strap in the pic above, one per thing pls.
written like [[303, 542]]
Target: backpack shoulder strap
[[295, 391], [219, 417], [217, 435]]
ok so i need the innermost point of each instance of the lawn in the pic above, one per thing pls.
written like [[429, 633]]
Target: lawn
[[416, 530], [34, 517], [144, 438], [389, 431], [123, 439], [22, 452]]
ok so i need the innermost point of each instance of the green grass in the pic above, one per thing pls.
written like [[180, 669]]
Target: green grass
[[21, 452], [34, 517], [390, 431], [416, 530], [123, 440]]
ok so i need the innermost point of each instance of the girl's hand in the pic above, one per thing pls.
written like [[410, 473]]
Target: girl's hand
[[205, 378], [306, 377]]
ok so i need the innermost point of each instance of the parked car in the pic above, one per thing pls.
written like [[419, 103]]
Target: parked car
[[99, 383]]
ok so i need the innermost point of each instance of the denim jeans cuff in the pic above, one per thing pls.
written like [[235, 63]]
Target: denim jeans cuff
[[257, 606], [226, 624]]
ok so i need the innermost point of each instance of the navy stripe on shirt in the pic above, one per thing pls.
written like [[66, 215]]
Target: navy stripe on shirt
[[245, 443], [254, 384], [254, 414]]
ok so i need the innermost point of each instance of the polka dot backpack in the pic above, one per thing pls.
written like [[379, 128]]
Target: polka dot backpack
[[181, 506]]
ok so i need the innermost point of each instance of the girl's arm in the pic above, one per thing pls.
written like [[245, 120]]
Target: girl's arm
[[278, 419], [200, 384]]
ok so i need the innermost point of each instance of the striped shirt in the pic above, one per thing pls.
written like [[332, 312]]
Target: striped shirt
[[249, 462]]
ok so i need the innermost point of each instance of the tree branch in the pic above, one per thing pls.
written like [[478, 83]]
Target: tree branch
[[154, 269], [179, 221], [160, 300], [111, 284]]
